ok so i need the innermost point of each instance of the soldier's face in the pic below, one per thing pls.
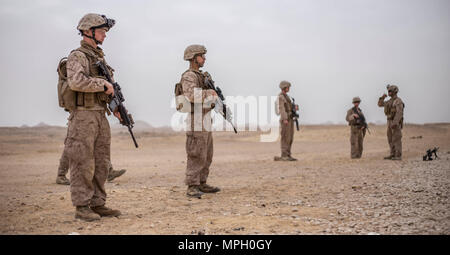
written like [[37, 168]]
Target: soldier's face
[[287, 89], [390, 93], [100, 34], [356, 104], [201, 60]]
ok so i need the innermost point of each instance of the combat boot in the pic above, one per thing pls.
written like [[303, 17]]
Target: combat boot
[[389, 157], [194, 191], [105, 211], [61, 179], [113, 174], [396, 158], [291, 159], [276, 158], [205, 188], [85, 213]]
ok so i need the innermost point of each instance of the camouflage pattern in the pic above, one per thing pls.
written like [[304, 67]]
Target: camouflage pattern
[[193, 50], [91, 20], [284, 84], [90, 88], [63, 168], [356, 99], [357, 134], [287, 130], [199, 141], [200, 97], [393, 108], [199, 149], [88, 148]]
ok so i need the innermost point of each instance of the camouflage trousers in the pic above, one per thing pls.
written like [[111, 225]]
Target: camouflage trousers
[[287, 137], [356, 141], [88, 149], [199, 150], [394, 136], [63, 168]]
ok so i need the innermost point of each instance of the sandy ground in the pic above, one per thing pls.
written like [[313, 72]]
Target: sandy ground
[[325, 192]]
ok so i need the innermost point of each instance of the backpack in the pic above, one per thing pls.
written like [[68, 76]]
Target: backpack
[[183, 105], [66, 96]]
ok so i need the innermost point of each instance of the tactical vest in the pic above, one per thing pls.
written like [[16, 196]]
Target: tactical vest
[[390, 110], [288, 105], [91, 99], [180, 100]]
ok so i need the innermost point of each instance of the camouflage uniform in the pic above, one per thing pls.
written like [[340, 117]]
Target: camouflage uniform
[[393, 108], [89, 137], [63, 169], [199, 141], [287, 130], [357, 131]]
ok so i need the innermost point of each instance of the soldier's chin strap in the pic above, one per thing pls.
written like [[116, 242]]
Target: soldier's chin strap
[[91, 37]]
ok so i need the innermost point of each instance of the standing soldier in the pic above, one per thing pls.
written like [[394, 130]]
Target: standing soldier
[[89, 136], [199, 141], [393, 108], [63, 169], [356, 121], [285, 110]]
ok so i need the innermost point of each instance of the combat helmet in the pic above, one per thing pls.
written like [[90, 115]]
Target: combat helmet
[[392, 88], [284, 84], [91, 21], [192, 50]]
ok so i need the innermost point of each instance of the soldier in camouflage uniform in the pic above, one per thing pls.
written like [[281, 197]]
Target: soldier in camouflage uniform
[[286, 122], [357, 128], [89, 136], [393, 108], [63, 169], [199, 141]]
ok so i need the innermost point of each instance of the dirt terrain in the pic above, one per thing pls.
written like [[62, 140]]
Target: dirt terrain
[[325, 192]]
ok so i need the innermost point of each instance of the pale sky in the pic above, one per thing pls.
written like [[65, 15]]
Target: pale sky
[[329, 50]]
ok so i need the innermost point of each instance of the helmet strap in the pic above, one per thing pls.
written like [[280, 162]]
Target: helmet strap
[[91, 37]]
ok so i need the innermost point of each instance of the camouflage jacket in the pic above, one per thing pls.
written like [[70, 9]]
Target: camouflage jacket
[[284, 106], [196, 92], [393, 108], [83, 77]]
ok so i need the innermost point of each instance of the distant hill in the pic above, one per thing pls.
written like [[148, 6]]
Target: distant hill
[[42, 124], [138, 125]]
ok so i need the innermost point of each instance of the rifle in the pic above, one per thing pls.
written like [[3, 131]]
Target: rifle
[[361, 119], [429, 155], [116, 101], [220, 106], [295, 114]]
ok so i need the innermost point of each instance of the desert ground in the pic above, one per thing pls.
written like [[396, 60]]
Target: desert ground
[[324, 192]]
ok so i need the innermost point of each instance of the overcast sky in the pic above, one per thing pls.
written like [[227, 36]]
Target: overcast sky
[[329, 50]]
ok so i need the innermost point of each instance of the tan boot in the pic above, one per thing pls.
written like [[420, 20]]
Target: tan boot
[[291, 159], [205, 188], [396, 158], [61, 179], [85, 213], [281, 158], [115, 173], [194, 191], [388, 157], [105, 211]]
